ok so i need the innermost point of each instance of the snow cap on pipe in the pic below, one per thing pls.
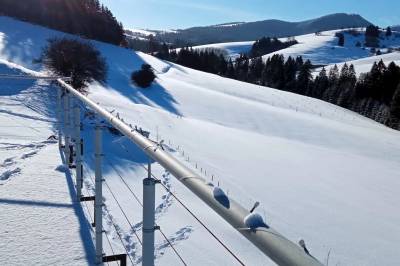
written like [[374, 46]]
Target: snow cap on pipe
[[254, 220], [221, 197]]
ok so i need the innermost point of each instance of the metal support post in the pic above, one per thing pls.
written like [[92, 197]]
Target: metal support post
[[78, 150], [72, 131], [66, 127], [148, 218], [99, 195], [59, 118]]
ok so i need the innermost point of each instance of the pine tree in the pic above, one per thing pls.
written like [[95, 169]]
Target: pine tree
[[304, 79], [320, 85], [255, 71], [394, 113], [230, 72], [341, 39], [290, 70], [391, 77], [333, 79], [222, 65], [388, 31], [345, 91]]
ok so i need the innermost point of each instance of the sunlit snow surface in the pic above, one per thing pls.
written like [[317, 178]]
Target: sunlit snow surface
[[39, 222], [320, 172]]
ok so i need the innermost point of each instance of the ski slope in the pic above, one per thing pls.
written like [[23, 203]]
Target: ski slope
[[320, 172]]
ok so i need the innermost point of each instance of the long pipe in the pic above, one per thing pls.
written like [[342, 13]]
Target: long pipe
[[278, 248]]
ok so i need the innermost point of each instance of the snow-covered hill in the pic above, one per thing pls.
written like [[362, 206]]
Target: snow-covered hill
[[321, 172], [321, 49]]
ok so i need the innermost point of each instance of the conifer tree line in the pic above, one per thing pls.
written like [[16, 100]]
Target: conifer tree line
[[86, 18], [268, 45], [375, 94]]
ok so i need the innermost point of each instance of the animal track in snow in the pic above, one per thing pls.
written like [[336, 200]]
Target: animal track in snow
[[14, 146], [180, 235], [7, 163], [167, 199]]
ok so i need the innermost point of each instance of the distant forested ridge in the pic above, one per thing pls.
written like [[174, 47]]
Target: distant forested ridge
[[86, 18], [250, 31]]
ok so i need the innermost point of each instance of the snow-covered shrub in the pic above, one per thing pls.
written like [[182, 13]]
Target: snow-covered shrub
[[144, 77], [80, 61]]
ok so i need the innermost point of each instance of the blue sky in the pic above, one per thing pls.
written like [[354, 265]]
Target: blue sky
[[173, 14]]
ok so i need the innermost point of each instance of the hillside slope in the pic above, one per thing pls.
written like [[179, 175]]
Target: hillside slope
[[321, 172], [321, 49], [324, 49]]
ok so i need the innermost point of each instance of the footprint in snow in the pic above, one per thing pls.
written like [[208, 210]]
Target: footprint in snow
[[28, 155], [8, 162], [9, 173]]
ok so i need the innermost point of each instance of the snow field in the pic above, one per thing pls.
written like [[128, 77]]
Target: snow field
[[321, 173]]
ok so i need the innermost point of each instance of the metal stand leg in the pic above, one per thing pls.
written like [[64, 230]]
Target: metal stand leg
[[99, 196], [66, 128], [78, 150], [59, 107], [148, 219]]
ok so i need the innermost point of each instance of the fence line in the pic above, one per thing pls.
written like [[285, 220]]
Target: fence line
[[279, 249], [269, 241]]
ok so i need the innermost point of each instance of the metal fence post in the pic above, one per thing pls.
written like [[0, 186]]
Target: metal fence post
[[99, 195], [59, 95], [149, 193], [78, 150], [66, 127], [72, 131]]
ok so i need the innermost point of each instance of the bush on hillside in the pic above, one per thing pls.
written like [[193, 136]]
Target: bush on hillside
[[144, 77], [372, 36], [340, 37], [80, 61]]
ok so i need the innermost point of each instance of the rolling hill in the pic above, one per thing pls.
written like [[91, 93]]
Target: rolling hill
[[250, 31]]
